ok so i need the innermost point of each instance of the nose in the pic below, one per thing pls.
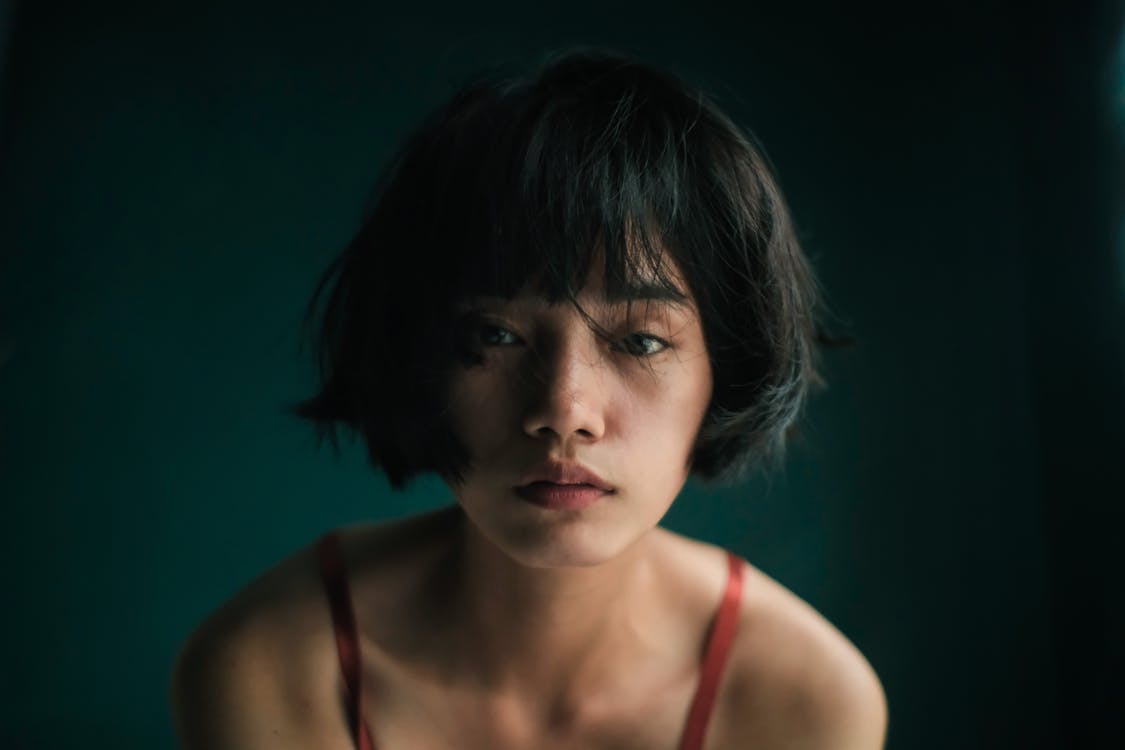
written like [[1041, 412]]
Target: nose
[[567, 396]]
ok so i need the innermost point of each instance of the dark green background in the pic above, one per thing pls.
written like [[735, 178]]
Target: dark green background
[[175, 176]]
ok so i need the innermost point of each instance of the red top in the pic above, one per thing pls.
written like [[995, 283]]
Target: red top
[[335, 580]]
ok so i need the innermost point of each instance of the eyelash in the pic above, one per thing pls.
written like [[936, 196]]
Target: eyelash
[[664, 345]]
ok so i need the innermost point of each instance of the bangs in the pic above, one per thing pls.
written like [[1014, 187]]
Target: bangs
[[584, 175]]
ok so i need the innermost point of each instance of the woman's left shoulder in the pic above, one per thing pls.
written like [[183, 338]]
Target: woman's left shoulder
[[793, 679]]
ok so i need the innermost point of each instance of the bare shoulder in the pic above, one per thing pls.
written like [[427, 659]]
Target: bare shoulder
[[794, 680], [263, 670], [258, 671]]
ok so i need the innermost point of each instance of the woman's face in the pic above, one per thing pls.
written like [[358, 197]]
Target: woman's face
[[551, 391]]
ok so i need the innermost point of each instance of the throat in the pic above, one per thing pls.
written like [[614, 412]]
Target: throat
[[556, 636]]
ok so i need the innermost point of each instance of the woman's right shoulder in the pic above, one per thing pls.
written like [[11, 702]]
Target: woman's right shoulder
[[261, 670]]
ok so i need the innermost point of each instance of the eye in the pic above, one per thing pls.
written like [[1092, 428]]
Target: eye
[[493, 335], [643, 344]]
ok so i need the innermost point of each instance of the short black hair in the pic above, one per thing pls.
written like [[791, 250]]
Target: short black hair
[[593, 156]]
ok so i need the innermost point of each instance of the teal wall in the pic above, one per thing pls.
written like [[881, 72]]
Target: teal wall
[[173, 179]]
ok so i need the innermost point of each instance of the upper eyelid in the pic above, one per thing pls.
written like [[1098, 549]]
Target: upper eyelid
[[618, 343], [488, 321], [487, 317]]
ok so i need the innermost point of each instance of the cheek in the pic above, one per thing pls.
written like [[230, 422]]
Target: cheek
[[480, 407], [687, 405], [663, 418], [681, 395]]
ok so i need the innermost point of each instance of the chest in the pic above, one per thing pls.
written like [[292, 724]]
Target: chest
[[648, 717]]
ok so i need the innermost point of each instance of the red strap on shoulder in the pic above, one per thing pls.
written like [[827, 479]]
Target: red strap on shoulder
[[718, 645], [335, 579]]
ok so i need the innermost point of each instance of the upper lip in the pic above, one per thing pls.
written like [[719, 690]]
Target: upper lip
[[562, 472]]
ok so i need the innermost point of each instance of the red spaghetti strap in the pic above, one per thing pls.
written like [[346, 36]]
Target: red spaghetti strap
[[722, 634], [334, 577]]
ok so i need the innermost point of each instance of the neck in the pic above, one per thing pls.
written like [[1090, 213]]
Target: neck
[[547, 637]]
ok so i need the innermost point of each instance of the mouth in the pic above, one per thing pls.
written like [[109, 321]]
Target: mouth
[[562, 485], [564, 474], [561, 496]]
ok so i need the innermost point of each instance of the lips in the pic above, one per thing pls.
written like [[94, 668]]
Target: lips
[[562, 485], [564, 473]]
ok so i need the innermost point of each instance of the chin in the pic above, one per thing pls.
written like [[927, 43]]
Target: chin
[[580, 541]]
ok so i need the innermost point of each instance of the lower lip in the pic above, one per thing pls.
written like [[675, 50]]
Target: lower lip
[[560, 496]]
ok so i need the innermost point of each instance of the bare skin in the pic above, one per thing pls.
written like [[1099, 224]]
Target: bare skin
[[263, 670], [501, 624]]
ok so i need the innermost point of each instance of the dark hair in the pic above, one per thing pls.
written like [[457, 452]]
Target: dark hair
[[595, 156]]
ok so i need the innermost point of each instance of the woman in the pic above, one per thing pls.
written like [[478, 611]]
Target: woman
[[572, 291]]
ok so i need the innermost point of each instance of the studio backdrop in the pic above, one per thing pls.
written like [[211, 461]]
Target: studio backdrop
[[175, 176]]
